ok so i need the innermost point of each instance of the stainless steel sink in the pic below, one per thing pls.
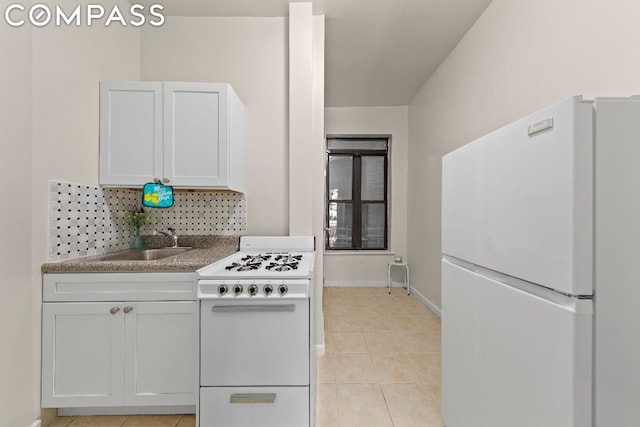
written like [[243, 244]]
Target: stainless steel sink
[[146, 254]]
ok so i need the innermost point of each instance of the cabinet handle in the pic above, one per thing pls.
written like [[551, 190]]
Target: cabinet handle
[[165, 180], [253, 398], [114, 310], [156, 180], [128, 309], [253, 308]]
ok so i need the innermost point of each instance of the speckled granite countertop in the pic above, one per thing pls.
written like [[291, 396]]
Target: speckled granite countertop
[[206, 250]]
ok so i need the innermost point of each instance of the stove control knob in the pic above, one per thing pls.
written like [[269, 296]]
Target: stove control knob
[[283, 289], [253, 289], [237, 289], [222, 290], [267, 289]]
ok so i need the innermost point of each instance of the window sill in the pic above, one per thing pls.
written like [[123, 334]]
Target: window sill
[[348, 252]]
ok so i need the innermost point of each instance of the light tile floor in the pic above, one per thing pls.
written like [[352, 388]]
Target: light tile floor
[[381, 367], [382, 361]]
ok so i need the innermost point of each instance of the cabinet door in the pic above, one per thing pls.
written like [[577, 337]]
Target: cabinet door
[[196, 134], [161, 353], [130, 133], [82, 354]]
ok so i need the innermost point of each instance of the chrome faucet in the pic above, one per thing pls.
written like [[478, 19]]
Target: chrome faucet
[[173, 235]]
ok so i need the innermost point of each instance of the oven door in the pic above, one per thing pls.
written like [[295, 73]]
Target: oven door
[[245, 342]]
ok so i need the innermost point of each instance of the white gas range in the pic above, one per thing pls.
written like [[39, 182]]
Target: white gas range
[[257, 364]]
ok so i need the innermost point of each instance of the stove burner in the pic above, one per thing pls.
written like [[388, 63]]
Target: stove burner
[[248, 266], [288, 258], [255, 259], [282, 266]]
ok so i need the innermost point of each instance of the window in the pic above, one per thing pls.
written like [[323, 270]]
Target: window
[[357, 206]]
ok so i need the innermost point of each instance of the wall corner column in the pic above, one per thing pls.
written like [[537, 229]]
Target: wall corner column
[[300, 119]]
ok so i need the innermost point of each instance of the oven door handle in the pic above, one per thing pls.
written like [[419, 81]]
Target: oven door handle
[[253, 398], [253, 308]]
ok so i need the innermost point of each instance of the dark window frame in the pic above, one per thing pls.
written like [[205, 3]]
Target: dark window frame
[[356, 201]]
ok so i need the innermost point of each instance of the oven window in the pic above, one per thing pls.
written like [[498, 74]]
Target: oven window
[[357, 204]]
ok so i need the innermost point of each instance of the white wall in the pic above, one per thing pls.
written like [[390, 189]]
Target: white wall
[[357, 268], [17, 357], [251, 55], [517, 58]]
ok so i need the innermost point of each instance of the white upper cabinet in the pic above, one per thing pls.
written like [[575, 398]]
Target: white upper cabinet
[[188, 135]]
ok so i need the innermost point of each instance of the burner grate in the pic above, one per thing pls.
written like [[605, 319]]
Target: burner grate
[[247, 266], [282, 266], [255, 259], [288, 258]]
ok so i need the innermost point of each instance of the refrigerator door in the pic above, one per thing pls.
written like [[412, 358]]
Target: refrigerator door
[[519, 200], [512, 358]]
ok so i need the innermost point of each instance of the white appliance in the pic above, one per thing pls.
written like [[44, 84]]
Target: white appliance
[[541, 271], [257, 367]]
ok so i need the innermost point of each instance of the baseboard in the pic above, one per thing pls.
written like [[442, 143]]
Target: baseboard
[[36, 423], [357, 284], [133, 410], [431, 306]]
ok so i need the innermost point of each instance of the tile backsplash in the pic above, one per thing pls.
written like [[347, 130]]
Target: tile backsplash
[[85, 220]]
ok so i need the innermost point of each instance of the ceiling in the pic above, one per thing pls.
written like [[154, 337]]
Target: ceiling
[[377, 52]]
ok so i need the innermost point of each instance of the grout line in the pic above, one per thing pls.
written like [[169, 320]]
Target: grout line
[[335, 389], [386, 404]]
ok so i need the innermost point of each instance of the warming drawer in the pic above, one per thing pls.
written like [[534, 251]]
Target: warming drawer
[[254, 406]]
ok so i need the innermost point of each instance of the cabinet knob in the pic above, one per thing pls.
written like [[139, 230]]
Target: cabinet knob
[[114, 310], [128, 309], [165, 180]]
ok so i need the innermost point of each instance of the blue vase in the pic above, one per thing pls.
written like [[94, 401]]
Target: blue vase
[[137, 243]]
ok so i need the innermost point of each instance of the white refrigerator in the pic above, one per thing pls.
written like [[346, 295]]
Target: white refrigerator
[[541, 271]]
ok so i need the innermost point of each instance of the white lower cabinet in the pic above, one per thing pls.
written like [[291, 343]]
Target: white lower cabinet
[[119, 353]]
